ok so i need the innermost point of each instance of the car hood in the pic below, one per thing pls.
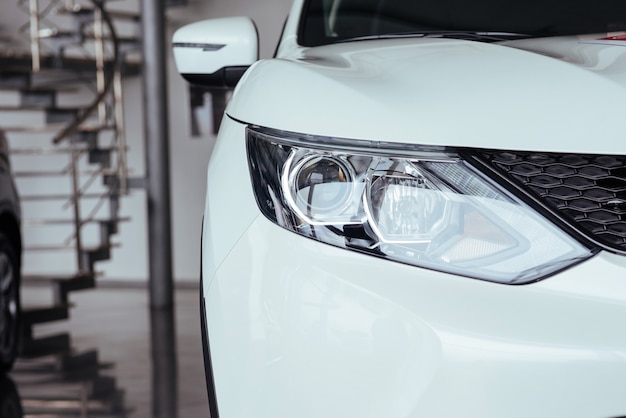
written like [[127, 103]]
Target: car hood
[[563, 94]]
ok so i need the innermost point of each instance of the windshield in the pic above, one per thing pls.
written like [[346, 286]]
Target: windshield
[[329, 21]]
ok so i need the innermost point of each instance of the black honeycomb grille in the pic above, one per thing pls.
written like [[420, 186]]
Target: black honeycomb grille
[[588, 191]]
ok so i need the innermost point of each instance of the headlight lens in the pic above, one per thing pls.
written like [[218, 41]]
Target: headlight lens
[[427, 208]]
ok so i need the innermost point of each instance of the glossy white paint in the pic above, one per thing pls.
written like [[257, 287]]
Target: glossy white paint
[[301, 329], [207, 46], [445, 92], [227, 173]]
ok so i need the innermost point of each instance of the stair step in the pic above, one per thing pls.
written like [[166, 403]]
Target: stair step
[[39, 222], [59, 150], [39, 248], [63, 284], [55, 127], [14, 64], [50, 372], [89, 11], [50, 65], [44, 115], [63, 34], [65, 172], [38, 198], [37, 128], [108, 404], [78, 361], [41, 278], [40, 315], [91, 256], [38, 108], [40, 98], [37, 89], [104, 386], [45, 346], [85, 373], [12, 80], [61, 287], [72, 408], [79, 283], [64, 361], [65, 408]]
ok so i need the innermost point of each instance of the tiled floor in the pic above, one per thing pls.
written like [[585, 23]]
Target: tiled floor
[[149, 363]]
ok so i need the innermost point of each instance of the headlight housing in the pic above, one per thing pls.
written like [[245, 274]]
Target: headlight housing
[[421, 206]]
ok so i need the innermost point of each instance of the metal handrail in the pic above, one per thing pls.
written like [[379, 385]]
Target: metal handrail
[[98, 29], [120, 132], [77, 219], [33, 9], [74, 126]]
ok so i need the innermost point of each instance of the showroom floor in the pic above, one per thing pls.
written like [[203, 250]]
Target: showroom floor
[[124, 360]]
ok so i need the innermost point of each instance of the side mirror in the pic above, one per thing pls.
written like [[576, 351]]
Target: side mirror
[[216, 52]]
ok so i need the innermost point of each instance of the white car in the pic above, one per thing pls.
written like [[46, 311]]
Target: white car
[[417, 209]]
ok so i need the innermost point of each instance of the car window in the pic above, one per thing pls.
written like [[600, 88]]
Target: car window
[[328, 21]]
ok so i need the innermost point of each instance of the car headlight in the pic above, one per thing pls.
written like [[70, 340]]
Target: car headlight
[[421, 206]]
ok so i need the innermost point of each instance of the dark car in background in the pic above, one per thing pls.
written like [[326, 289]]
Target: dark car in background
[[10, 261]]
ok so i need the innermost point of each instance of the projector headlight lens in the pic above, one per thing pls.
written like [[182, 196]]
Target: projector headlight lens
[[426, 208]]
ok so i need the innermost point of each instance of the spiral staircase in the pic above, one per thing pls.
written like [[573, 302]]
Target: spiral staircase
[[61, 107]]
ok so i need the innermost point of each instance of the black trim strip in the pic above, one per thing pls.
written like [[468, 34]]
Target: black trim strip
[[206, 352]]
